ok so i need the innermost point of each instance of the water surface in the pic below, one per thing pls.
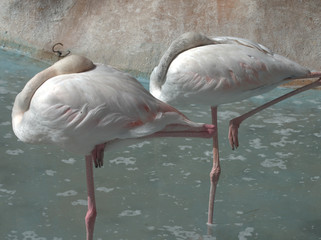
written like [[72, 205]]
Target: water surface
[[158, 189]]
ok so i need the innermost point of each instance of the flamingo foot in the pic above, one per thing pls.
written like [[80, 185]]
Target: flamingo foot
[[98, 155], [233, 133]]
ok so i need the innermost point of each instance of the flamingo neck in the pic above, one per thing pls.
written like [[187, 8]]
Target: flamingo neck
[[70, 64], [183, 43]]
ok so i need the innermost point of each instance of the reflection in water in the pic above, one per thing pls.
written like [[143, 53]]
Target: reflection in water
[[158, 189]]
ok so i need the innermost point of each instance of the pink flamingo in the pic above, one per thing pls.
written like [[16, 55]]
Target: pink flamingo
[[85, 108], [213, 71]]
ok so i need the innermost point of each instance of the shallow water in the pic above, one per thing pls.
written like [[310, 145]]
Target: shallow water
[[158, 189]]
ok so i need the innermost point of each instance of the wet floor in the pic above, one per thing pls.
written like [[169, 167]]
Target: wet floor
[[270, 188]]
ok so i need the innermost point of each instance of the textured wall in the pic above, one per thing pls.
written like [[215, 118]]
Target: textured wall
[[133, 34]]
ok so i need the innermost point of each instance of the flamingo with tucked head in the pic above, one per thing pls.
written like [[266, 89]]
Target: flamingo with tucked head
[[212, 71], [85, 108]]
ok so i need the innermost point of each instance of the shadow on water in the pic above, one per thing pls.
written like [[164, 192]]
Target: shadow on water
[[158, 189]]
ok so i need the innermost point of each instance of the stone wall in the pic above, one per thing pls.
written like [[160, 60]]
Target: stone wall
[[133, 35]]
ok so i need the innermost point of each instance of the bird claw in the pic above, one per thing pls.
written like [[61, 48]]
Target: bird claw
[[233, 134], [98, 155]]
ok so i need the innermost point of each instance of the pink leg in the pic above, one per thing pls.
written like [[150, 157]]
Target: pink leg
[[216, 169], [235, 123], [207, 131], [91, 212]]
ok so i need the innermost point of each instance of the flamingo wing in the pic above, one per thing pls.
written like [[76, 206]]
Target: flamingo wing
[[241, 41], [232, 70], [79, 111]]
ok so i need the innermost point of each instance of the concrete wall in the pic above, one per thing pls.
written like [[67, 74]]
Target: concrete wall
[[133, 34]]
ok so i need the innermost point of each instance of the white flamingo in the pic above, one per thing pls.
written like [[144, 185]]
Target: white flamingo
[[213, 71], [85, 107]]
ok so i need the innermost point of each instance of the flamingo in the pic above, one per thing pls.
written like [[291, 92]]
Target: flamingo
[[86, 108], [212, 71]]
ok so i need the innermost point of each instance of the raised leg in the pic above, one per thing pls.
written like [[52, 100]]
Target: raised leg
[[216, 169], [91, 212], [235, 123]]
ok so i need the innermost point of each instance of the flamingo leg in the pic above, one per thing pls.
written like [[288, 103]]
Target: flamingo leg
[[235, 123], [91, 212], [216, 169]]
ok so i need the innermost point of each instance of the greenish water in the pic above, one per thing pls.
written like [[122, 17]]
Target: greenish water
[[270, 188]]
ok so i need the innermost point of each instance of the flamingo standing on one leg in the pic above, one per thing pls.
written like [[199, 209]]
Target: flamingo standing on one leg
[[214, 71], [84, 108]]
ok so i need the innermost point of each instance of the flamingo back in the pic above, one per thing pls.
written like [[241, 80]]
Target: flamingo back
[[223, 73]]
